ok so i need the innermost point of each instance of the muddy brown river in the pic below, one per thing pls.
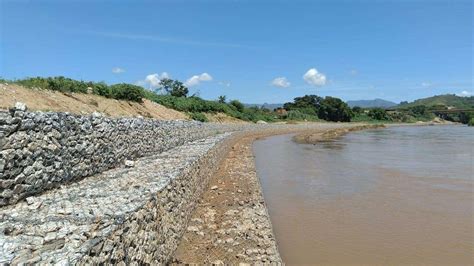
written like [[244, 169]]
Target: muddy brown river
[[401, 195]]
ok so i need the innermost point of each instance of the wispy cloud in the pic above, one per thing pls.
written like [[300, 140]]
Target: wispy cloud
[[162, 39], [117, 70], [281, 82], [224, 83], [426, 84]]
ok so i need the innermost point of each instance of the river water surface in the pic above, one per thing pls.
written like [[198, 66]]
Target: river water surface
[[400, 195]]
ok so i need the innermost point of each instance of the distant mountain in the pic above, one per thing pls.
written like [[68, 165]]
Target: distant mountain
[[442, 100], [372, 103], [270, 106]]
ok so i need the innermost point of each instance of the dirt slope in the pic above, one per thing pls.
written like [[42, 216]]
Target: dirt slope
[[224, 118], [45, 100]]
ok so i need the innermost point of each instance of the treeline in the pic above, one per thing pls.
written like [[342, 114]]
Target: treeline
[[408, 115], [313, 107], [411, 114]]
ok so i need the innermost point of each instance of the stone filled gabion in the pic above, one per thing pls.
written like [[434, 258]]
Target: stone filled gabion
[[127, 214], [39, 151]]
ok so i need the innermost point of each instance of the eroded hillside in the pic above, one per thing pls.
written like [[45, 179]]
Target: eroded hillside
[[78, 103]]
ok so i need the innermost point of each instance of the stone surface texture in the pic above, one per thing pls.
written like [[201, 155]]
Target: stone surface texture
[[39, 151], [125, 214]]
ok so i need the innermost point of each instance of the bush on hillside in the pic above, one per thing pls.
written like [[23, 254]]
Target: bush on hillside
[[198, 117], [101, 89], [129, 92], [238, 105], [55, 83]]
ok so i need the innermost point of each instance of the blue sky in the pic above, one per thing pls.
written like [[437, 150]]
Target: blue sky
[[255, 51]]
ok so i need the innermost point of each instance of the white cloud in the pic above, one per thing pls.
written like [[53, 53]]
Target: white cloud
[[426, 84], [152, 81], [196, 79], [465, 94], [281, 82], [117, 70], [354, 72], [313, 77]]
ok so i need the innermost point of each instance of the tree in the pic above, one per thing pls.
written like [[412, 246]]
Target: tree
[[378, 114], [419, 110], [174, 87], [238, 105], [356, 110], [307, 101], [334, 109], [308, 104], [221, 99]]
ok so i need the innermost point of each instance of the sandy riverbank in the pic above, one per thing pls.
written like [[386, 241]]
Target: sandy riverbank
[[231, 223], [330, 134]]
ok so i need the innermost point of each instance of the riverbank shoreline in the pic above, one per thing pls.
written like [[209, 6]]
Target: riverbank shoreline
[[231, 223], [331, 134]]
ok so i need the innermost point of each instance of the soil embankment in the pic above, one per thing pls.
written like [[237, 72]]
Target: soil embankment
[[83, 104]]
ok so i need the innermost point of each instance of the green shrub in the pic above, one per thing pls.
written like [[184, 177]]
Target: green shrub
[[357, 110], [378, 114], [101, 89], [55, 83], [471, 122], [238, 105], [297, 115], [129, 92], [198, 117]]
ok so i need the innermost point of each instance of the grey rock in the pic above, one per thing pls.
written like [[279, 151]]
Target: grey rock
[[129, 163], [20, 106]]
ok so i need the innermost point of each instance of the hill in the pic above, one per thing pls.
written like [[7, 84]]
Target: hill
[[372, 103], [442, 100], [269, 106]]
